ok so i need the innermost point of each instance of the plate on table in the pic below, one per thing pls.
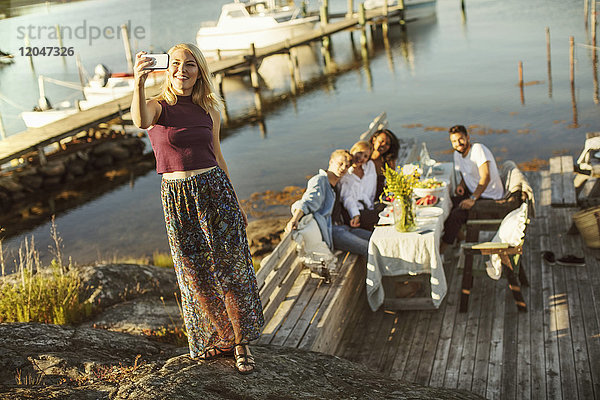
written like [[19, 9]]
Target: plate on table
[[386, 217], [429, 212]]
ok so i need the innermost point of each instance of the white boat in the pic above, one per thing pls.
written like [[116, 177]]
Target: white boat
[[6, 58], [262, 22], [413, 9], [103, 87]]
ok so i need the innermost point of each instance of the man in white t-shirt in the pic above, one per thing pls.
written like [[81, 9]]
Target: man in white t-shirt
[[480, 179]]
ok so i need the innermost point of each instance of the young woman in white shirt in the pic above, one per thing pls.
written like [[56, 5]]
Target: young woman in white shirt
[[358, 188]]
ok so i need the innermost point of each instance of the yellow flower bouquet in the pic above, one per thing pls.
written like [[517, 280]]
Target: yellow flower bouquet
[[399, 186]]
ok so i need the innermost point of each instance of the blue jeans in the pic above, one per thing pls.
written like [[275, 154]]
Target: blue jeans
[[354, 240]]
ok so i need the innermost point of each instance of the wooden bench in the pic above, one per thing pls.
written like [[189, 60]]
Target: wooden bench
[[302, 310], [562, 174]]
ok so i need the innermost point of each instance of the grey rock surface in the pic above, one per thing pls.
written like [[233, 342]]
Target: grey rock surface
[[83, 363]]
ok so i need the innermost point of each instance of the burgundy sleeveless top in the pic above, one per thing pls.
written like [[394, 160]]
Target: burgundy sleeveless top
[[182, 138]]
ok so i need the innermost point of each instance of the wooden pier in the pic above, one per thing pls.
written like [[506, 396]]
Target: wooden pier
[[35, 139], [552, 351]]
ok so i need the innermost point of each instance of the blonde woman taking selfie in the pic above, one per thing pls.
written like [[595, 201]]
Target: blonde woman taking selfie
[[205, 224]]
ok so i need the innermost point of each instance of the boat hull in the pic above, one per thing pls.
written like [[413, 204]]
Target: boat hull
[[235, 40]]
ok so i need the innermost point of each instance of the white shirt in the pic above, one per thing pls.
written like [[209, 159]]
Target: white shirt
[[469, 168], [357, 193]]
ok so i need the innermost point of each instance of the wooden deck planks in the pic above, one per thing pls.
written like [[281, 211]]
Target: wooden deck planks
[[484, 336], [563, 303], [452, 300], [467, 363], [496, 344], [416, 347], [553, 386], [536, 314], [550, 352]]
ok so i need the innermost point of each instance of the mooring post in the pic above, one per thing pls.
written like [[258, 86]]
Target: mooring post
[[255, 81], [595, 74], [549, 60], [572, 59], [127, 47], [402, 13], [384, 25], [362, 15], [291, 67], [2, 131], [350, 12], [521, 84], [323, 15], [520, 73], [586, 7], [463, 10], [593, 22], [28, 46]]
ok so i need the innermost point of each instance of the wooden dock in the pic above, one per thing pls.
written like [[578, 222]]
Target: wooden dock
[[552, 351], [35, 139]]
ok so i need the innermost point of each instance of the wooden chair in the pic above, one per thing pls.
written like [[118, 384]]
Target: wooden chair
[[497, 209], [512, 266]]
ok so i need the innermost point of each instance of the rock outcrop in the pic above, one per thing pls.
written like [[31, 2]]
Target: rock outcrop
[[48, 361]]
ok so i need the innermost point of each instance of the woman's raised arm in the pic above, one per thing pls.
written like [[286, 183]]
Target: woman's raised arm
[[144, 114]]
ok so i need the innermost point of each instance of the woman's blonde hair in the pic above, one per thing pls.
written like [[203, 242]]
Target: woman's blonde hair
[[361, 145], [203, 92]]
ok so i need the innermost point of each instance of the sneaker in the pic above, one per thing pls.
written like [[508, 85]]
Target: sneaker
[[571, 260], [549, 257], [492, 272]]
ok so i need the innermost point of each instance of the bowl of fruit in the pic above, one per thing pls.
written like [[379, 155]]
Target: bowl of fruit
[[429, 187]]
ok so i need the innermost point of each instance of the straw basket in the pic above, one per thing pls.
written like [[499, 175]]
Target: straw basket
[[588, 223]]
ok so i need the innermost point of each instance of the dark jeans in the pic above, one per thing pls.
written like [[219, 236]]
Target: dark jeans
[[457, 218], [483, 208]]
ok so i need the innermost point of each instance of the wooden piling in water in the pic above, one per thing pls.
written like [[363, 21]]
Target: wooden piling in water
[[127, 46], [572, 59], [350, 11], [585, 12], [402, 14], [521, 73], [384, 25], [362, 15], [27, 45], [255, 81], [549, 61], [324, 14], [463, 10], [593, 22], [292, 68], [2, 130]]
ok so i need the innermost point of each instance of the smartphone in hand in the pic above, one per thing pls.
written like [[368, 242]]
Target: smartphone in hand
[[160, 61]]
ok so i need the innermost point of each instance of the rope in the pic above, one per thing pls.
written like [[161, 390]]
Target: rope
[[12, 103], [71, 85], [588, 46]]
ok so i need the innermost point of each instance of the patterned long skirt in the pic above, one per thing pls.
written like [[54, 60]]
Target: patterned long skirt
[[212, 261]]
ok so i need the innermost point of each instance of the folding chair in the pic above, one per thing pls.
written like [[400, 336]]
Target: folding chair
[[512, 264]]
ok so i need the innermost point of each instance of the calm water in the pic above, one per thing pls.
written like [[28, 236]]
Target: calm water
[[445, 72]]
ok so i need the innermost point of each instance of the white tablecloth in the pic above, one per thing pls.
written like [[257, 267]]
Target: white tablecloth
[[393, 253]]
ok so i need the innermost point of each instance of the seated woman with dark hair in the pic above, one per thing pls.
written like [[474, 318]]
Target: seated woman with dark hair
[[385, 152]]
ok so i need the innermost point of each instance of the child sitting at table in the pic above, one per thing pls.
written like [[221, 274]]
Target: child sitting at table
[[358, 186]]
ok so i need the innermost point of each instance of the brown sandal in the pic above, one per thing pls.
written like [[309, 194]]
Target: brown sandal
[[244, 359], [214, 352]]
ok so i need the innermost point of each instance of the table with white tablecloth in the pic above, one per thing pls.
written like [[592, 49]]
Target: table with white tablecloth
[[393, 253]]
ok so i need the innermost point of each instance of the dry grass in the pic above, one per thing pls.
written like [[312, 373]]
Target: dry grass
[[47, 294]]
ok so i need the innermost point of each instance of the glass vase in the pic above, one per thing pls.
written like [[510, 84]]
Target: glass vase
[[404, 215]]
